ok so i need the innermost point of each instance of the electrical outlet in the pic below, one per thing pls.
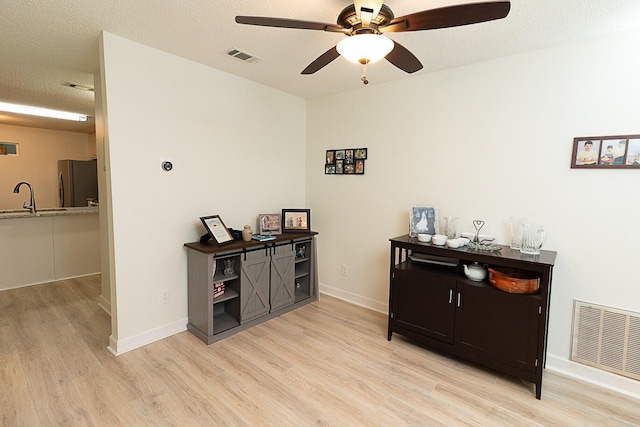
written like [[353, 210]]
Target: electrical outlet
[[344, 270], [165, 296]]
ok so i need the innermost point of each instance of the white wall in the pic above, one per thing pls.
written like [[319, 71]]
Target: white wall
[[40, 150], [486, 141], [238, 150]]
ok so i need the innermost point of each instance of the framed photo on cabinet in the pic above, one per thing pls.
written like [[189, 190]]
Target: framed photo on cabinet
[[423, 219], [216, 229], [269, 223], [296, 220]]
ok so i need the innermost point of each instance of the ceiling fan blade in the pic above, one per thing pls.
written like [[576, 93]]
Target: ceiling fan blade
[[366, 10], [450, 16], [321, 61], [290, 23], [403, 59]]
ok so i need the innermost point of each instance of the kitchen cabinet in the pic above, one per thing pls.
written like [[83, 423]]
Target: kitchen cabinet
[[433, 303], [261, 286], [48, 246]]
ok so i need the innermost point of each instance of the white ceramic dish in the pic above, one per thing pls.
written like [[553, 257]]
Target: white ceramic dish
[[423, 237], [453, 243], [439, 239]]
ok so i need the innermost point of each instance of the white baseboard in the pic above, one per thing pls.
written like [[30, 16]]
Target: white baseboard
[[354, 299], [105, 304], [595, 376], [121, 346], [52, 280]]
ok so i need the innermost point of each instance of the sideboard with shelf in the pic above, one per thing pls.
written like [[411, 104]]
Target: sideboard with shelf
[[303, 268], [434, 304], [261, 286]]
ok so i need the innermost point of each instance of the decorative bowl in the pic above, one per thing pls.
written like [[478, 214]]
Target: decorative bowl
[[423, 237], [453, 243], [514, 281], [439, 239]]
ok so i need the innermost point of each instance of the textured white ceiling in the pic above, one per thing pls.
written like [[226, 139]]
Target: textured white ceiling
[[46, 43]]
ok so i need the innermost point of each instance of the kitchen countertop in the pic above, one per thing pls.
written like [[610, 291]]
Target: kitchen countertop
[[45, 212]]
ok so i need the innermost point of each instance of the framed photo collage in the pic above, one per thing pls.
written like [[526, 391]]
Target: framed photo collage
[[345, 161]]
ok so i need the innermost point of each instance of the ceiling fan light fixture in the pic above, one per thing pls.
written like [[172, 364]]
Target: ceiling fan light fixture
[[365, 48], [42, 112]]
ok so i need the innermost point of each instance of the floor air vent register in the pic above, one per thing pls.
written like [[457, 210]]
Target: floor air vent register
[[606, 338]]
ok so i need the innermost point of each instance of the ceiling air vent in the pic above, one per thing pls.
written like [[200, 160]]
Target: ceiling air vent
[[243, 56]]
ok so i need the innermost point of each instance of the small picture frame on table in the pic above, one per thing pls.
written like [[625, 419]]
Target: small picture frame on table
[[216, 229], [423, 219], [296, 220], [269, 224]]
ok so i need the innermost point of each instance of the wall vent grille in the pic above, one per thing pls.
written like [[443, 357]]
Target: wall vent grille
[[243, 56], [606, 338]]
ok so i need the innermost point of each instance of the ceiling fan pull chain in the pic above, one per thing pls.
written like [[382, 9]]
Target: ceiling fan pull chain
[[364, 74]]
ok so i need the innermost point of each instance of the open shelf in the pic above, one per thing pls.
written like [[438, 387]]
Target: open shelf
[[228, 294], [223, 321], [222, 278]]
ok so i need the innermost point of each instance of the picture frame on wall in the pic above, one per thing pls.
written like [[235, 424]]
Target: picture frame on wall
[[345, 161], [216, 229], [606, 152], [423, 219], [296, 220], [269, 224]]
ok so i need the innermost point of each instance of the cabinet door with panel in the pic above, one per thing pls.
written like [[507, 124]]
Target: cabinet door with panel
[[254, 285], [282, 292], [497, 325], [423, 303]]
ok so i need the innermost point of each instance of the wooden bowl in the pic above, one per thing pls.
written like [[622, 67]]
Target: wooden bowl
[[514, 281]]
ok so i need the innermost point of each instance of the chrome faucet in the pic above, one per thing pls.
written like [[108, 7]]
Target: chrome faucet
[[32, 198]]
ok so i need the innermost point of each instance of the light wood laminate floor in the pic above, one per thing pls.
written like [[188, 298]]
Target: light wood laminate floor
[[326, 364]]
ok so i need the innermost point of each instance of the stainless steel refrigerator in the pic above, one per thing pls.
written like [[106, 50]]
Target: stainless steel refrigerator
[[77, 182]]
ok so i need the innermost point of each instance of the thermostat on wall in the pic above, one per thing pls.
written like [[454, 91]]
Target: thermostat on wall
[[166, 164]]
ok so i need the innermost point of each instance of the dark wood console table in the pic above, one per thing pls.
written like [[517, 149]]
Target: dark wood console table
[[439, 307]]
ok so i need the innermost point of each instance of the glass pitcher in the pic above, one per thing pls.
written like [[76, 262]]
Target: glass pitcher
[[533, 237], [516, 231], [450, 227]]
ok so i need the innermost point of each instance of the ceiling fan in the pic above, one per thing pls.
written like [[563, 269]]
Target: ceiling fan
[[366, 21]]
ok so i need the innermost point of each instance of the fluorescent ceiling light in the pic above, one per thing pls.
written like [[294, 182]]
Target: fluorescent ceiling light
[[42, 112], [365, 48]]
